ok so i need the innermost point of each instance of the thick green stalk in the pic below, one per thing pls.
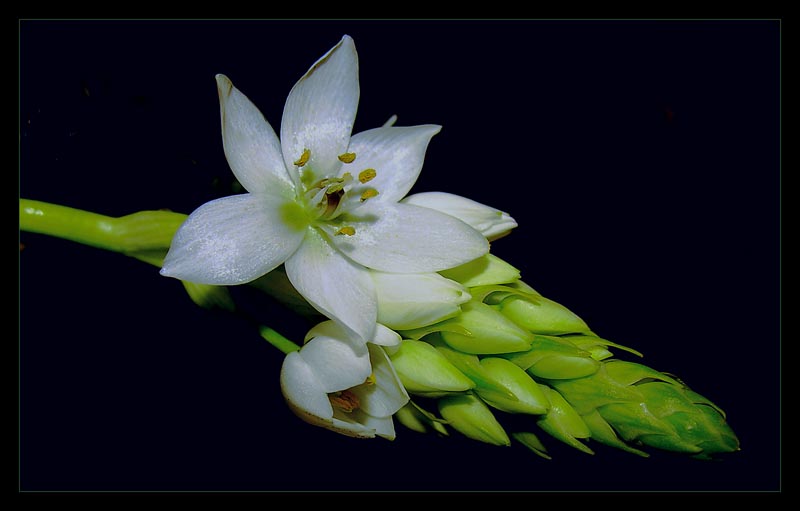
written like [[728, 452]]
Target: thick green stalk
[[141, 232]]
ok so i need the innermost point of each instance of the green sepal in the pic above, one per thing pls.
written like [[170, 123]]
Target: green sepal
[[605, 434], [532, 442], [488, 331], [471, 366], [425, 371], [597, 346], [554, 358], [596, 390], [631, 373], [208, 296], [528, 397], [418, 419], [470, 416], [494, 294], [563, 422]]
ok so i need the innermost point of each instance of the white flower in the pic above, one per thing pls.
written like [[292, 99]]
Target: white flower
[[320, 201], [491, 222], [337, 382], [407, 301]]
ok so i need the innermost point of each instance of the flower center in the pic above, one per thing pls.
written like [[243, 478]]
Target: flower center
[[330, 197], [345, 401]]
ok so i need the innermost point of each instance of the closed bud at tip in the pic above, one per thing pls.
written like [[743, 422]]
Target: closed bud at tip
[[425, 371], [470, 416], [642, 406]]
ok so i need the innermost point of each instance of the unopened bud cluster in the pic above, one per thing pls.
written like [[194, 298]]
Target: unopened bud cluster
[[508, 350]]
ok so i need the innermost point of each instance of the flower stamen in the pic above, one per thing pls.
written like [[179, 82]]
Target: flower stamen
[[346, 230], [344, 400], [347, 157], [368, 194], [303, 158], [367, 175]]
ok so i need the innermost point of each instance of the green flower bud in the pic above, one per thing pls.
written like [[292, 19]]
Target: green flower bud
[[425, 371], [208, 296], [596, 390], [471, 366], [597, 346], [563, 422], [483, 271], [415, 418], [671, 421], [528, 396], [605, 434], [532, 442], [542, 315], [644, 406], [470, 416], [554, 358], [486, 331]]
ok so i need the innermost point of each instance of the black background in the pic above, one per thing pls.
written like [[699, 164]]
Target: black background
[[640, 158]]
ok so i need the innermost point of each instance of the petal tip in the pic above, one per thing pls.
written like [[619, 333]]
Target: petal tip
[[224, 85]]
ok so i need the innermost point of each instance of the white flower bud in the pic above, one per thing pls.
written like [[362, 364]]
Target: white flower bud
[[491, 222], [407, 301]]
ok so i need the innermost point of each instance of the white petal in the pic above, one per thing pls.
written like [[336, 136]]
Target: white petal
[[302, 390], [251, 147], [396, 154], [232, 240], [414, 300], [381, 426], [348, 425], [491, 222], [320, 111], [337, 364], [334, 285], [383, 336], [328, 328], [386, 336], [402, 238], [387, 395]]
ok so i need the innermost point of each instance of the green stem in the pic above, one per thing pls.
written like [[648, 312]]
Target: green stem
[[146, 235], [277, 340], [142, 232]]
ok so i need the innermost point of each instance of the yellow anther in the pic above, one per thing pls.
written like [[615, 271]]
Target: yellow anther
[[370, 379], [347, 230], [368, 194], [303, 158], [347, 157], [334, 188], [367, 175]]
